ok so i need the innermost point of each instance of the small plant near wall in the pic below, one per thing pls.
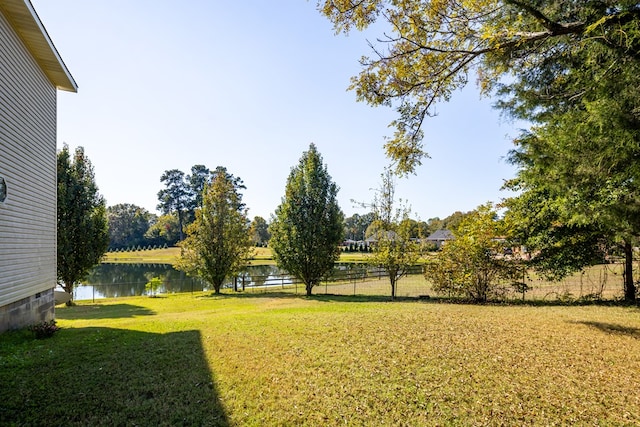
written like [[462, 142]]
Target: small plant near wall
[[44, 329], [152, 286]]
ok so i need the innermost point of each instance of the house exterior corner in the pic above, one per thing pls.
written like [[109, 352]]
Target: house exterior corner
[[28, 176]]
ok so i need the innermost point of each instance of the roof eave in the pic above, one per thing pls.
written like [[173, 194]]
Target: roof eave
[[32, 32]]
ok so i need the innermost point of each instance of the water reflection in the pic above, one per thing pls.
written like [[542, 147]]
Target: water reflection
[[120, 280]]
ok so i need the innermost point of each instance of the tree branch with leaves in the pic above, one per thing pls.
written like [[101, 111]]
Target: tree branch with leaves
[[432, 48]]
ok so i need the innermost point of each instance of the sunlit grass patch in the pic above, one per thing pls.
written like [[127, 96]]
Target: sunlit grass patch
[[149, 256], [328, 360], [170, 255]]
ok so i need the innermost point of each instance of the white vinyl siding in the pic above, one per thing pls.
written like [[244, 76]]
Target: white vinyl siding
[[28, 165]]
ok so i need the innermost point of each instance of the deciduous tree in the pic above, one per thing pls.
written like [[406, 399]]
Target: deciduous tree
[[308, 225], [471, 264], [163, 230], [356, 225], [128, 225], [218, 243], [259, 231], [393, 250], [431, 49], [83, 234]]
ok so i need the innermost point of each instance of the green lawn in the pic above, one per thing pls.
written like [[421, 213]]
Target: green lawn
[[169, 255], [288, 360]]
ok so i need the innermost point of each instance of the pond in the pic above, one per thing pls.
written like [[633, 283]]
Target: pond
[[120, 280]]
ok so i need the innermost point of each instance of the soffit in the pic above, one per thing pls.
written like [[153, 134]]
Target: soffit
[[27, 24]]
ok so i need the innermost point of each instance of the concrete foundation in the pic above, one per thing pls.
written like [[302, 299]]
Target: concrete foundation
[[28, 311]]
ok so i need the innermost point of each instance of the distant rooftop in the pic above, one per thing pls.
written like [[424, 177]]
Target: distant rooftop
[[440, 235]]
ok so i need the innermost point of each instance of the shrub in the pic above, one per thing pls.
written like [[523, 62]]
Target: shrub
[[153, 285], [468, 266], [44, 329]]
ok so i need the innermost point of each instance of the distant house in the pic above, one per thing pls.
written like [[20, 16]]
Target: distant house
[[373, 239], [438, 237], [31, 72]]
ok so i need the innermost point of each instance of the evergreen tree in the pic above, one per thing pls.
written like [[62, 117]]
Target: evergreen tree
[[579, 161], [176, 198], [198, 180]]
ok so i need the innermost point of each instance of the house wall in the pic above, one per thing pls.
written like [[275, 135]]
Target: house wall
[[28, 167]]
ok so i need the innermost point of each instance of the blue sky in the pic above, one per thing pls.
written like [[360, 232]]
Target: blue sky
[[249, 85]]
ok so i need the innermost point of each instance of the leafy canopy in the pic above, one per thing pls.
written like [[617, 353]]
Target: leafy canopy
[[128, 225], [218, 243], [578, 163], [431, 49], [83, 234], [393, 250], [308, 225], [471, 265]]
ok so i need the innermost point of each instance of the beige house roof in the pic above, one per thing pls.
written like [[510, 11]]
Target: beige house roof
[[29, 28]]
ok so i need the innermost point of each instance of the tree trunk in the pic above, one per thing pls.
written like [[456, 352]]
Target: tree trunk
[[180, 233], [629, 286], [68, 289], [393, 288], [309, 286]]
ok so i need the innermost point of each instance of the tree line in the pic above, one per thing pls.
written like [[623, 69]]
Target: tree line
[[569, 69], [306, 232], [132, 227]]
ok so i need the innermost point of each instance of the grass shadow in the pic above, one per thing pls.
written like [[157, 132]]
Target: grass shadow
[[106, 377], [612, 328], [103, 311], [317, 297], [359, 298], [429, 299]]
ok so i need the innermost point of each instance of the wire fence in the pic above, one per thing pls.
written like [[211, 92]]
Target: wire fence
[[600, 282], [597, 282], [355, 281]]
